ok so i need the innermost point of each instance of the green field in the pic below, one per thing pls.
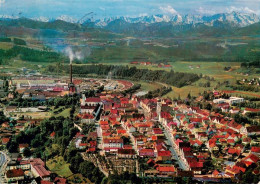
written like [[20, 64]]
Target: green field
[[148, 86], [210, 69], [59, 166]]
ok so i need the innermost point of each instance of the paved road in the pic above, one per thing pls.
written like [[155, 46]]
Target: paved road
[[3, 162], [99, 134], [175, 154]]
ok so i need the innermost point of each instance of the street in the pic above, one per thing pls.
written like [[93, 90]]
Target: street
[[3, 162], [174, 151]]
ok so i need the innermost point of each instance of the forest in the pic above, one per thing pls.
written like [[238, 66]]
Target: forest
[[177, 79], [28, 54]]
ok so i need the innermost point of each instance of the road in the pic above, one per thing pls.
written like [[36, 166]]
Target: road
[[174, 150], [3, 162], [99, 134]]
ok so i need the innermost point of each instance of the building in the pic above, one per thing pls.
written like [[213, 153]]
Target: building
[[38, 170], [112, 144], [14, 175], [235, 100]]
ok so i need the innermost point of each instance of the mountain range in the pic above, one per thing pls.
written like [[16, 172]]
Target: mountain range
[[234, 18], [229, 24]]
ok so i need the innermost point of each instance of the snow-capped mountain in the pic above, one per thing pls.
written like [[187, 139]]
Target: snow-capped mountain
[[8, 17], [66, 18], [41, 19], [234, 18]]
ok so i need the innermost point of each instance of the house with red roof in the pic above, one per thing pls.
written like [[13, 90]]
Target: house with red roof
[[5, 140], [252, 158], [52, 135], [146, 153], [253, 130], [14, 175], [22, 147], [166, 170], [233, 151], [216, 174], [112, 144], [126, 153], [92, 101], [59, 180], [87, 118], [255, 150], [157, 131], [38, 170], [164, 155]]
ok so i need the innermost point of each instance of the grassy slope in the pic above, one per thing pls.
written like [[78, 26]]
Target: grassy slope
[[59, 166]]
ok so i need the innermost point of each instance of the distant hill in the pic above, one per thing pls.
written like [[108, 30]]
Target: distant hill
[[253, 29], [168, 29]]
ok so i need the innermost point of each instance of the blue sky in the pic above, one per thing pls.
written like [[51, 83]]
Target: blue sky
[[133, 8]]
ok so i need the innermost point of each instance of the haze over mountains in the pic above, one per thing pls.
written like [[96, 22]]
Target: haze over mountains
[[224, 24]]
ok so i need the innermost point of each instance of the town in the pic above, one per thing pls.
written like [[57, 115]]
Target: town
[[105, 125], [129, 92]]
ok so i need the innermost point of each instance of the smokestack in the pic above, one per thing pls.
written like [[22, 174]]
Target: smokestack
[[70, 72]]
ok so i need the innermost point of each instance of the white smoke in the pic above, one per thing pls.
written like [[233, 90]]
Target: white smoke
[[69, 53], [77, 52]]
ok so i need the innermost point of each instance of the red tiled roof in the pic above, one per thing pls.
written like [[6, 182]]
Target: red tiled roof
[[91, 150], [252, 158], [215, 173], [14, 173], [146, 152], [255, 149], [164, 153], [60, 180], [23, 145], [93, 99], [113, 140], [157, 131], [52, 134], [41, 170], [233, 151], [121, 131], [5, 140], [165, 169], [126, 151]]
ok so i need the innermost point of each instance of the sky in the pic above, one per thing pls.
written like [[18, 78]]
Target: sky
[[131, 8]]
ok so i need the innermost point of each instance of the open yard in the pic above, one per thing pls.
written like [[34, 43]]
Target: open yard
[[6, 45], [33, 115], [59, 166]]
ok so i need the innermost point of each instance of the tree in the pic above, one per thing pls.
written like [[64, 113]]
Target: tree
[[27, 152], [13, 147], [189, 96]]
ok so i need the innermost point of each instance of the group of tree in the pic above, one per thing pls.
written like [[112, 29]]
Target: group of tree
[[206, 85], [78, 165], [245, 88], [18, 41], [29, 54], [158, 92], [255, 64], [133, 89], [66, 100], [177, 79], [3, 118], [5, 39], [39, 138]]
